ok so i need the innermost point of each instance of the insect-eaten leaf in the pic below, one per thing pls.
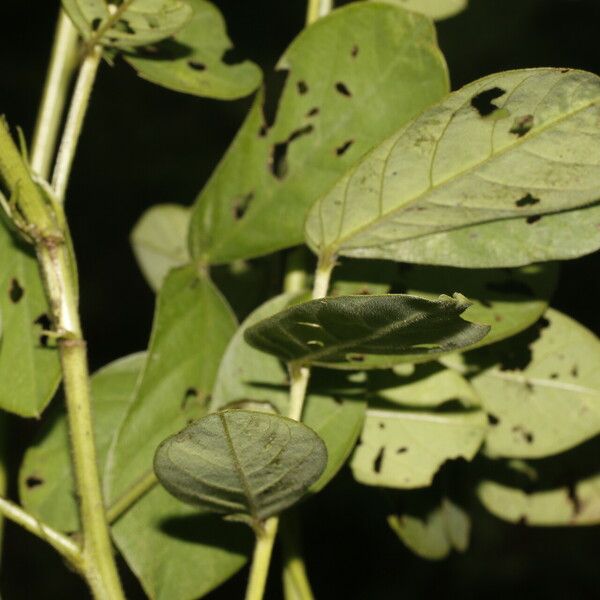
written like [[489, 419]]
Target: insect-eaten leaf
[[358, 332], [192, 62], [434, 536], [462, 186], [541, 388], [133, 23], [332, 110], [243, 464]]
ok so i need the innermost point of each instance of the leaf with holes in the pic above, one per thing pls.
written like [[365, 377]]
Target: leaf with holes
[[191, 61], [134, 23], [29, 362], [344, 332], [248, 377], [501, 152], [433, 537], [401, 448], [506, 300], [192, 327], [246, 465], [353, 78], [158, 241], [436, 9], [154, 535], [543, 394]]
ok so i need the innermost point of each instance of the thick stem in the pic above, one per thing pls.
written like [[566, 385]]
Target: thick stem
[[63, 60], [79, 105], [261, 560], [317, 9], [67, 547], [131, 496], [296, 277]]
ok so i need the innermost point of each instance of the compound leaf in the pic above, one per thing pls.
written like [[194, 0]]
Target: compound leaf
[[510, 148], [244, 464]]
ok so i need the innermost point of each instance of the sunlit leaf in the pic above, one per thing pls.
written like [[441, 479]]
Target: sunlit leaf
[[353, 78], [543, 395], [159, 241], [341, 332], [447, 527], [510, 148], [191, 61]]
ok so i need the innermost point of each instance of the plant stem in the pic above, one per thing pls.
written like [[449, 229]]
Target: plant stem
[[131, 496], [261, 560], [79, 105], [317, 9], [295, 579], [295, 271], [63, 60], [67, 547]]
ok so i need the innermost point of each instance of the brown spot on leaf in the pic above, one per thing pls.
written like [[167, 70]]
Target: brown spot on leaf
[[302, 87], [278, 164], [532, 219], [33, 481], [196, 65], [241, 204], [342, 88], [340, 150], [378, 460], [522, 125], [527, 200]]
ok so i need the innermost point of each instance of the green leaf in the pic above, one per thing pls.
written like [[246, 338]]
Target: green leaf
[[243, 464], [176, 553], [158, 241], [508, 301], [247, 375], [192, 60], [445, 528], [405, 448], [191, 329], [508, 149], [543, 396], [341, 332], [139, 23], [577, 504], [436, 9], [353, 78], [29, 362]]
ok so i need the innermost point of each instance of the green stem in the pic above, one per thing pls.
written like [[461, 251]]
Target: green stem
[[317, 9], [63, 61], [131, 496], [261, 560], [295, 279], [77, 111], [295, 579], [64, 545]]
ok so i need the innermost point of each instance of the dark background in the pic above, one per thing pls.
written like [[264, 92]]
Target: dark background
[[143, 145]]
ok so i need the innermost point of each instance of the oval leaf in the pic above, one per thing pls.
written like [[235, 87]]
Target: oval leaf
[[341, 332], [332, 110], [191, 61], [247, 465], [512, 146]]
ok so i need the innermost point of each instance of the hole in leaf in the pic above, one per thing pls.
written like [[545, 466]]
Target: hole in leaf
[[302, 87], [522, 125], [527, 200], [264, 129], [16, 292], [313, 112], [241, 205], [533, 219], [273, 92], [96, 24], [342, 88], [340, 150], [196, 65], [279, 166], [32, 482], [483, 102], [493, 420], [574, 499], [378, 460], [526, 435], [402, 450], [46, 324], [124, 26], [354, 51], [233, 56]]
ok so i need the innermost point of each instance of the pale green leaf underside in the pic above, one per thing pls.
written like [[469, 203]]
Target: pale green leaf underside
[[158, 241], [29, 362], [191, 61], [142, 22], [579, 505], [436, 9], [404, 449], [248, 375], [552, 404], [508, 149], [341, 332], [241, 463], [191, 329], [354, 77], [170, 566], [447, 527]]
